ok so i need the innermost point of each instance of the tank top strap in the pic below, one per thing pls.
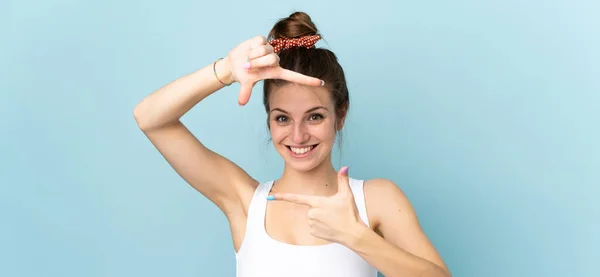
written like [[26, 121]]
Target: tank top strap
[[257, 209], [357, 187]]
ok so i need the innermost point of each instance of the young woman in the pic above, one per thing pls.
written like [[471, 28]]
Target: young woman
[[313, 220]]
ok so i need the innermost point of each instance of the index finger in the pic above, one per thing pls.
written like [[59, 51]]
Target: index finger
[[257, 41], [294, 198], [298, 78]]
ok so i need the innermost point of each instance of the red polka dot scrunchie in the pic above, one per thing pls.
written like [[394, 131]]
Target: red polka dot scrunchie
[[287, 43]]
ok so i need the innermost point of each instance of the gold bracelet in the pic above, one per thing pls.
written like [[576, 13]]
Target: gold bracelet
[[215, 71]]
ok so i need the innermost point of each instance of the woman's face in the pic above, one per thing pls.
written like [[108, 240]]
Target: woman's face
[[302, 122]]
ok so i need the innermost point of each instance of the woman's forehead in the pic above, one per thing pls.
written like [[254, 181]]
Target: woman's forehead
[[299, 95]]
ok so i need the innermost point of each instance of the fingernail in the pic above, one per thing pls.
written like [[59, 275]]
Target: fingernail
[[270, 197], [247, 65], [322, 83], [345, 170]]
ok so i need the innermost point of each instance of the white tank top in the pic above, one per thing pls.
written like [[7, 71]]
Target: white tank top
[[262, 256]]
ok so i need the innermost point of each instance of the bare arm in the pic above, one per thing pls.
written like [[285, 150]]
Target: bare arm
[[158, 116], [169, 103], [398, 245]]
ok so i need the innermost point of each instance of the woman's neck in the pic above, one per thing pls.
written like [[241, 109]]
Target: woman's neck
[[322, 180]]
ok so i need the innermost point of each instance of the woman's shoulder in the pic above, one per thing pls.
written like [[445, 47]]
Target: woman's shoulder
[[385, 199], [382, 187]]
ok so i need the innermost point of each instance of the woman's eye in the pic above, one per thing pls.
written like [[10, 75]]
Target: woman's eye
[[315, 117], [281, 118]]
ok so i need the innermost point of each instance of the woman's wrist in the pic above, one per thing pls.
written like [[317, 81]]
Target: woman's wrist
[[355, 235], [223, 71]]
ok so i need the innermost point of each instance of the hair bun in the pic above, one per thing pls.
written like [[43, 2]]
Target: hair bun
[[296, 25]]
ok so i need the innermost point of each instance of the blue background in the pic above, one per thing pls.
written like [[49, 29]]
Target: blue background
[[484, 112]]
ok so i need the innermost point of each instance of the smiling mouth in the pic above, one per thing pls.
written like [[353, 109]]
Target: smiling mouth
[[301, 151]]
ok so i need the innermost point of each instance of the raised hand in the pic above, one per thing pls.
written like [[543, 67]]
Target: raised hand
[[254, 60], [334, 218]]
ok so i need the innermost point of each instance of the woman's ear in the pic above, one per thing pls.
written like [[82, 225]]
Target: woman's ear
[[341, 117]]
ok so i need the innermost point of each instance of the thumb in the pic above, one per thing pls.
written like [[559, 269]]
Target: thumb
[[245, 92], [343, 181]]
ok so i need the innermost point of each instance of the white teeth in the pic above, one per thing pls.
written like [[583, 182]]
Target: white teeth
[[301, 150]]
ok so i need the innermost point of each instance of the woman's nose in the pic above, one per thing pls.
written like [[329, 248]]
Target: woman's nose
[[300, 134]]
